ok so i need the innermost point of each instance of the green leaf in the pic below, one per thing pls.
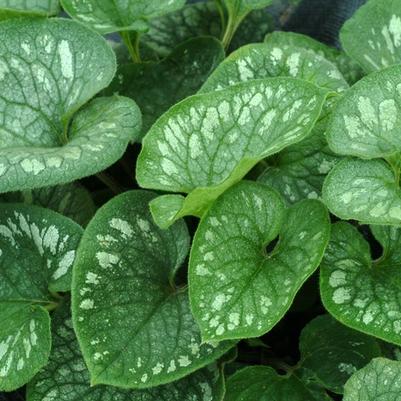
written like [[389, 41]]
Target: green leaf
[[239, 8], [37, 250], [71, 200], [380, 380], [361, 293], [123, 278], [262, 60], [202, 19], [366, 122], [106, 16], [349, 69], [372, 37], [334, 352], [363, 190], [262, 383], [157, 86], [49, 69], [66, 378], [13, 8], [24, 342], [298, 171], [206, 143], [238, 289]]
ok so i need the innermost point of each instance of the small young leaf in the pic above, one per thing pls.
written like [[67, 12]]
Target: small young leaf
[[124, 298], [349, 69], [380, 380], [237, 288], [372, 36], [24, 342], [366, 121], [205, 144], [37, 250], [49, 69], [261, 60], [334, 352], [240, 8], [71, 200], [360, 293], [262, 383], [66, 378], [157, 86], [363, 190], [13, 8], [107, 16]]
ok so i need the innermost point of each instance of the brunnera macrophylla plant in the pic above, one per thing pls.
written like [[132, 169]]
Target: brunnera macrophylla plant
[[171, 204]]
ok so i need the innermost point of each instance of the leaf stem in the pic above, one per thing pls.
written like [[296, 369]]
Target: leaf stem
[[222, 14], [395, 162], [234, 21], [109, 181], [132, 46], [51, 306]]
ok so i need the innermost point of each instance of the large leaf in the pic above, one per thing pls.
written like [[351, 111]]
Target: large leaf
[[13, 8], [380, 380], [48, 70], [349, 69], [333, 352], [262, 60], [157, 86], [262, 383], [366, 121], [363, 190], [362, 294], [66, 378], [71, 200], [207, 143], [237, 288], [37, 250], [372, 36], [108, 16], [124, 298]]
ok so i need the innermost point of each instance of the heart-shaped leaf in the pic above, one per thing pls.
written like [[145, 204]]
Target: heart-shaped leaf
[[157, 86], [260, 383], [349, 69], [71, 200], [66, 378], [9, 9], [372, 36], [37, 250], [237, 288], [363, 190], [206, 143], [366, 121], [380, 380], [332, 352], [263, 60], [107, 16], [124, 297], [48, 70], [360, 293]]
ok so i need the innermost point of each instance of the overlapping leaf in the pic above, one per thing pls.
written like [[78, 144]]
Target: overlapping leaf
[[135, 328], [380, 380], [157, 86], [37, 250], [66, 377], [372, 36], [237, 288], [108, 16], [48, 70], [207, 143], [332, 352], [71, 200], [359, 292], [13, 8], [260, 383], [349, 69]]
